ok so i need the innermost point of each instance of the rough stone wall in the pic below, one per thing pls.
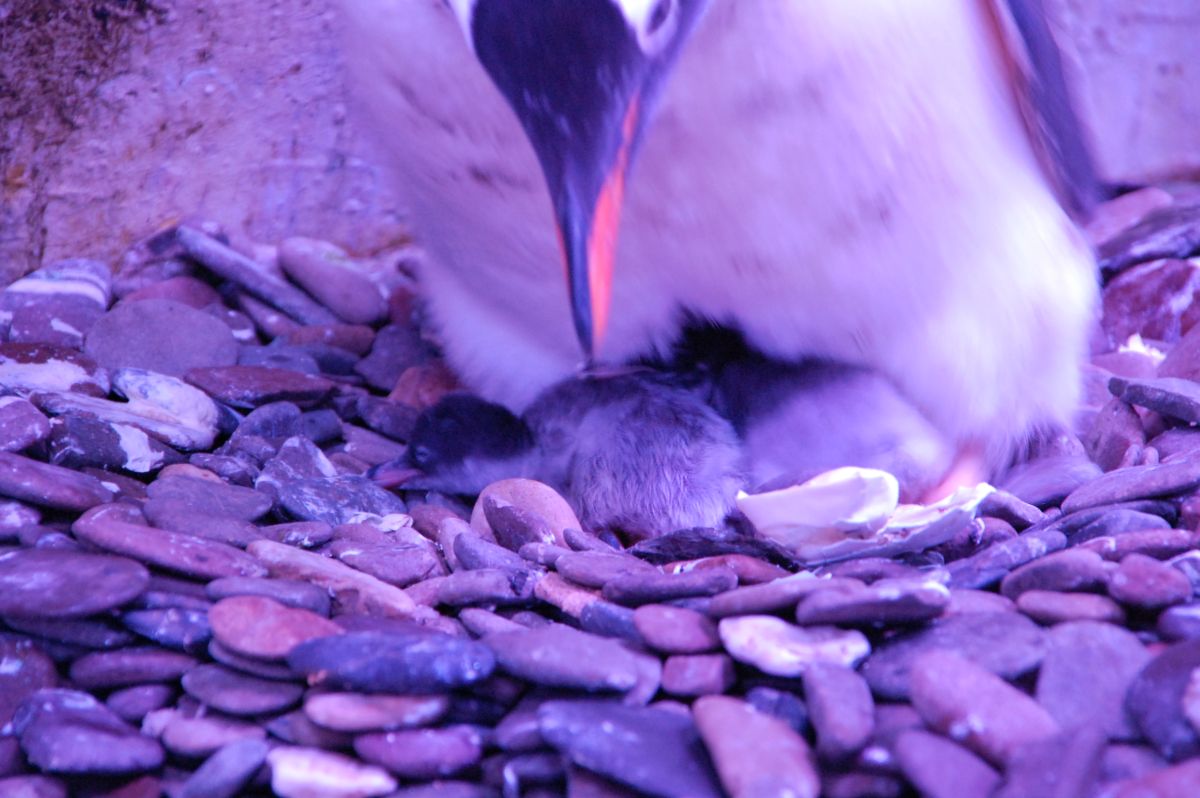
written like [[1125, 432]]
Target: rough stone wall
[[1136, 65], [117, 116]]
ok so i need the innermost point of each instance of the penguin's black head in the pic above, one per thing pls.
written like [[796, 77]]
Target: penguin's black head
[[461, 426], [581, 76]]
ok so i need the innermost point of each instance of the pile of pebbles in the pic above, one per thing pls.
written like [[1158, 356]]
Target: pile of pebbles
[[202, 595]]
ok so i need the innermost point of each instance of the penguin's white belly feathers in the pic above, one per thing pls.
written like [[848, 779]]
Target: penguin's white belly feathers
[[848, 179]]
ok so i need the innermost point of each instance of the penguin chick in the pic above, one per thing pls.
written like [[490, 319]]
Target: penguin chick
[[798, 419], [632, 452]]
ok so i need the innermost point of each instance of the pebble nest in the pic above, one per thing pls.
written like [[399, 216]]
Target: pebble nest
[[202, 594]]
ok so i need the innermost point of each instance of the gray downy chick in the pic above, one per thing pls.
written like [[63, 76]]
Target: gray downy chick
[[633, 452], [798, 419]]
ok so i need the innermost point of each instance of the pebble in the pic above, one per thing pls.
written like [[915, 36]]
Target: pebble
[[598, 568], [174, 551], [779, 648], [1155, 701], [328, 273], [227, 772], [559, 656], [650, 587], [1048, 480], [58, 583], [32, 787], [375, 662], [1180, 622], [1181, 781], [654, 751], [337, 499], [133, 703], [1078, 694], [343, 582], [129, 666], [1004, 643], [236, 693], [29, 368], [248, 387], [1050, 607], [993, 563], [886, 602], [26, 669], [173, 627], [1066, 764], [674, 630], [197, 737], [1136, 482], [1157, 543], [698, 674], [968, 703], [298, 772], [290, 592], [1147, 583], [840, 708], [754, 753], [70, 732], [21, 424], [1169, 396], [397, 565], [160, 335], [395, 349], [356, 712], [423, 753], [47, 485], [1073, 569], [257, 626], [941, 768], [217, 498]]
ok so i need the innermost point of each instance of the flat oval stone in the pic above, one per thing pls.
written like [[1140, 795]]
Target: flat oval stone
[[185, 554], [1181, 781], [339, 579], [1181, 622], [1051, 607], [754, 753], [226, 772], [336, 500], [559, 656], [1157, 543], [69, 732], [647, 588], [1170, 396], [248, 387], [674, 630], [423, 753], [780, 594], [533, 496], [1075, 692], [516, 526], [330, 275], [1135, 482], [160, 335], [172, 627], [1067, 570], [257, 626], [57, 583], [27, 368], [199, 736], [133, 703], [774, 646], [959, 698], [214, 498], [841, 710], [307, 772], [25, 670], [32, 787], [47, 485], [290, 592], [1048, 480], [357, 712], [596, 568], [129, 666], [378, 662], [1155, 701], [697, 674], [890, 601], [237, 694], [990, 565], [940, 768], [651, 750], [21, 424], [1144, 582], [395, 564], [1005, 643]]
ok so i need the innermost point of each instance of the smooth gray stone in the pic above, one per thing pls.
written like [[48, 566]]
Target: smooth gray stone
[[380, 662]]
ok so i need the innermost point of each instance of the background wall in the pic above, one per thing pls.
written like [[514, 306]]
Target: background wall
[[117, 116]]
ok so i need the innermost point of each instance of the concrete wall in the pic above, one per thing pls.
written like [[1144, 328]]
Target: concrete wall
[[118, 116]]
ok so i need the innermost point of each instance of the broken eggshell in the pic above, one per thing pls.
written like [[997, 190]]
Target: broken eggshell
[[855, 512]]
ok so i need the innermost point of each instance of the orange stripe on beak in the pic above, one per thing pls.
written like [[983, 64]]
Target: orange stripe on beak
[[602, 241]]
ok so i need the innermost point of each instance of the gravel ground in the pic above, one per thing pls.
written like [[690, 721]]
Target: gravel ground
[[202, 592]]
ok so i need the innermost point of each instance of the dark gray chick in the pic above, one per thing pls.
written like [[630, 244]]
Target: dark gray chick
[[633, 452]]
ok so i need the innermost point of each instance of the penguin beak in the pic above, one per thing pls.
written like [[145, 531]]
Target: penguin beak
[[576, 77], [587, 226]]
